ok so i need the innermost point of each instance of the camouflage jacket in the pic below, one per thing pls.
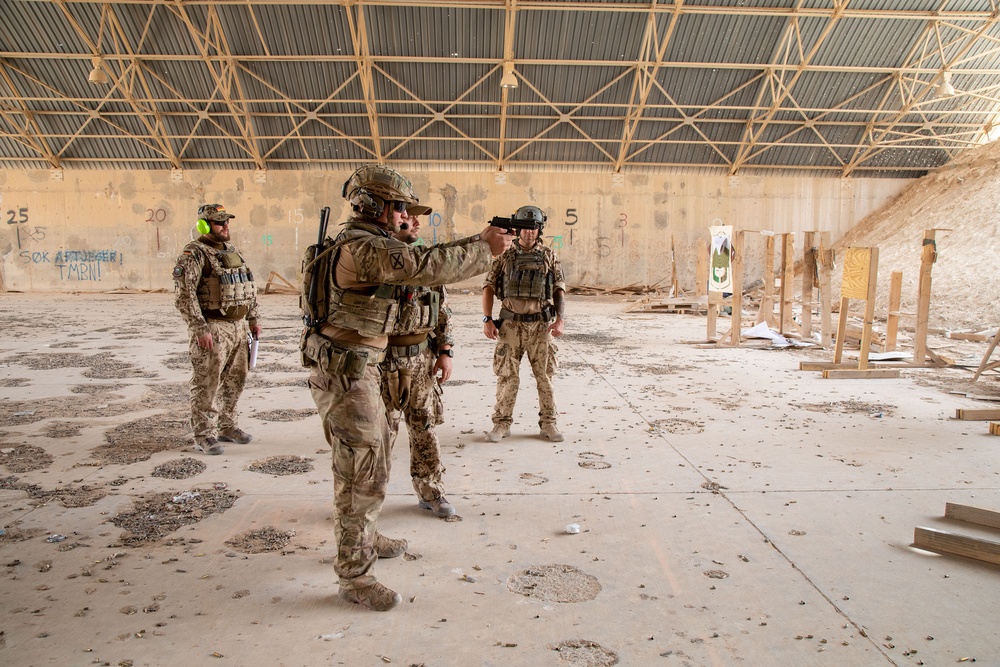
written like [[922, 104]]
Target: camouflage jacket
[[373, 259]]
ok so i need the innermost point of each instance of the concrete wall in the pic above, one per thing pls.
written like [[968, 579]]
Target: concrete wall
[[104, 230]]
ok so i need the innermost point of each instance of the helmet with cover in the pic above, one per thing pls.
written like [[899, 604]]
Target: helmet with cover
[[373, 185], [532, 214]]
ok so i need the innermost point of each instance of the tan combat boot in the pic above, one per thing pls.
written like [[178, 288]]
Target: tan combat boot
[[551, 432], [375, 597], [386, 547], [234, 434], [498, 433], [440, 506], [208, 445]]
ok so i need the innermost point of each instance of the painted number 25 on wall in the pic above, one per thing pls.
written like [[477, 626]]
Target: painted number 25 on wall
[[20, 216]]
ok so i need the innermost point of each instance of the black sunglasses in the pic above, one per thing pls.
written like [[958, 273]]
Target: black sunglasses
[[219, 224], [397, 206]]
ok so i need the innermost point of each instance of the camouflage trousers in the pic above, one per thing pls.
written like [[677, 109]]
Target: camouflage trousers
[[422, 412], [218, 378], [355, 426], [516, 339]]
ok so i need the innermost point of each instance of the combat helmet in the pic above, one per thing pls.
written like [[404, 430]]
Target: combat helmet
[[532, 214], [371, 186]]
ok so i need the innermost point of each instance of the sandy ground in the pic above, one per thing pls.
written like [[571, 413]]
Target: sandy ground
[[733, 510]]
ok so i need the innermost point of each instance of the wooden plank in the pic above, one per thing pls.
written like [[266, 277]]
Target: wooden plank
[[825, 262], [994, 428], [675, 286], [960, 335], [981, 415], [857, 263], [856, 374], [941, 541], [808, 282], [927, 258], [821, 365], [838, 352], [971, 514], [737, 298], [701, 269], [892, 321], [766, 312], [866, 334], [985, 364], [786, 293]]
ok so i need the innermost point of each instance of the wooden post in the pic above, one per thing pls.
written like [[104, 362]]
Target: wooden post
[[838, 353], [701, 269], [928, 256], [825, 262], [675, 288], [787, 282], [714, 302], [766, 312], [737, 301], [986, 364], [892, 321], [866, 333], [808, 278]]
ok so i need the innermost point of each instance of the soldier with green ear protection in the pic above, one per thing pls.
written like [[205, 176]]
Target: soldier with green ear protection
[[217, 299]]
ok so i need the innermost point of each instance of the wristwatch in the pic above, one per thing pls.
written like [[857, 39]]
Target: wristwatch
[[486, 318], [449, 352]]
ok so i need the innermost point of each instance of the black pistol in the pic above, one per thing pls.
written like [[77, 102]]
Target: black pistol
[[512, 225]]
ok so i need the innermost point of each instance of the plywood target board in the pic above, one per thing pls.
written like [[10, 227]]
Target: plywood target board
[[857, 265]]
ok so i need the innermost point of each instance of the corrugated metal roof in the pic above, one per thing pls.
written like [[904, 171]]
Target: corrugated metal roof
[[625, 85]]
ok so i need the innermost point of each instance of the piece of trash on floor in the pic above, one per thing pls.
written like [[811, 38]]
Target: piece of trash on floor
[[572, 528]]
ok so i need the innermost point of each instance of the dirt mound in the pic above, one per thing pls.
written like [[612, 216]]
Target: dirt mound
[[962, 197]]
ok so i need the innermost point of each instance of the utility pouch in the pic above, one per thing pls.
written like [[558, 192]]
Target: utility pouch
[[331, 359], [230, 260], [398, 382]]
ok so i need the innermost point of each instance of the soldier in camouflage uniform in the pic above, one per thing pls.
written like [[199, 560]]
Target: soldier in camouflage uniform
[[529, 281], [420, 347], [217, 299], [345, 349]]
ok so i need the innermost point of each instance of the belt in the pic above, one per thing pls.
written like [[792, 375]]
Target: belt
[[514, 317], [407, 350]]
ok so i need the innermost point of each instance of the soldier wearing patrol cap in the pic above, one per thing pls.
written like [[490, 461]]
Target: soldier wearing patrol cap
[[418, 360], [217, 299], [345, 349]]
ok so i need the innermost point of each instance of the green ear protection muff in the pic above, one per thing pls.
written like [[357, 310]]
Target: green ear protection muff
[[203, 227]]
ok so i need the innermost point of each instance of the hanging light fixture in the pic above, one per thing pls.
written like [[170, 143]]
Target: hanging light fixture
[[945, 89], [509, 79], [97, 75]]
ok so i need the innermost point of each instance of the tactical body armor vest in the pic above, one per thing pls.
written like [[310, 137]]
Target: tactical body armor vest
[[526, 276], [371, 311], [230, 283], [418, 310]]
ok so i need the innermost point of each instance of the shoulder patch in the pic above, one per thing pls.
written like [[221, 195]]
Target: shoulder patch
[[178, 271], [396, 260]]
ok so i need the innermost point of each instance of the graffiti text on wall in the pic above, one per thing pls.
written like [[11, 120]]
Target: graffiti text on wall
[[24, 233], [77, 265]]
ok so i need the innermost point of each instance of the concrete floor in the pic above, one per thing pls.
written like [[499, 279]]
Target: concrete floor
[[681, 464]]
